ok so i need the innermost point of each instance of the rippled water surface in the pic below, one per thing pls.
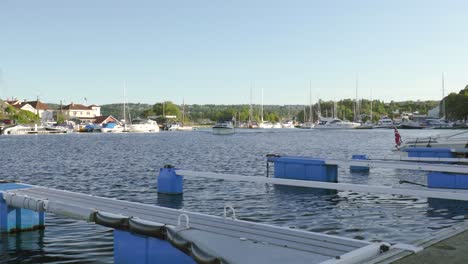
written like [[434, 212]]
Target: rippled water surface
[[125, 166]]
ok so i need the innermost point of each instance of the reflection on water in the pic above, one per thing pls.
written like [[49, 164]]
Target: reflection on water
[[171, 201], [124, 166]]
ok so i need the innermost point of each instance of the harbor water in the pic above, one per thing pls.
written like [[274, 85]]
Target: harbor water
[[125, 166]]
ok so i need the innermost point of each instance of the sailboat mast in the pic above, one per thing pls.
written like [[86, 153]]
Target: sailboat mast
[[261, 110], [443, 95], [183, 110], [305, 115], [356, 106], [124, 103], [250, 109], [311, 118], [371, 105]]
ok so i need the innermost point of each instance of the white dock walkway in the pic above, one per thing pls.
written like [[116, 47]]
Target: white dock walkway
[[231, 240]]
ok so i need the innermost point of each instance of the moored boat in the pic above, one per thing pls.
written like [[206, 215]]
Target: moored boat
[[335, 123], [223, 128], [453, 141], [143, 125]]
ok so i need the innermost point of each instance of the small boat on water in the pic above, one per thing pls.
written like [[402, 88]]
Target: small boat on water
[[411, 125], [335, 123], [437, 123], [110, 128], [287, 124], [223, 128], [385, 122], [277, 125], [179, 127], [265, 125], [143, 125], [308, 125], [17, 130]]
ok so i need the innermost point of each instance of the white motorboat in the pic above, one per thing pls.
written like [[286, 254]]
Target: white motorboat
[[17, 130], [385, 122], [266, 125], [179, 127], [277, 125], [111, 128], [223, 128], [457, 140], [143, 125], [288, 124], [308, 125], [437, 123], [335, 123]]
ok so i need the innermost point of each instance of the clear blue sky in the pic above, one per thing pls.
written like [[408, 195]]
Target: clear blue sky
[[211, 51]]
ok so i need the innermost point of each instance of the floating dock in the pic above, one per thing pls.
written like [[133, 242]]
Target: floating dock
[[204, 238], [147, 233]]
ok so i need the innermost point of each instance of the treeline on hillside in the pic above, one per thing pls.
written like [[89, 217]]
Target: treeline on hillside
[[132, 110], [456, 105], [345, 109], [274, 113]]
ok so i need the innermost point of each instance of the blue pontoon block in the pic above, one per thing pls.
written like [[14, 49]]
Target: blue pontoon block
[[17, 219], [430, 152], [302, 168], [447, 180], [134, 248], [359, 168], [169, 182]]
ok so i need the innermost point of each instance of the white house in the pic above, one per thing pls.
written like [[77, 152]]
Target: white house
[[37, 107], [83, 113]]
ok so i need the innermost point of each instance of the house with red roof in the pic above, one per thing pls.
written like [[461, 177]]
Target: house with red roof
[[86, 114], [37, 107]]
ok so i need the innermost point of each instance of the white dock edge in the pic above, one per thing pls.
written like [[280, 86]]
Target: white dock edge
[[419, 159], [232, 240], [461, 195], [391, 164]]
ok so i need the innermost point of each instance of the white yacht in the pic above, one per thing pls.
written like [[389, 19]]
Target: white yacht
[[143, 125], [287, 124], [179, 127], [112, 128], [385, 122], [457, 140], [223, 128], [265, 124], [308, 125], [335, 123], [17, 130], [277, 125]]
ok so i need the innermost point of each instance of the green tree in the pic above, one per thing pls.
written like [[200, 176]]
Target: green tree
[[167, 108], [25, 117]]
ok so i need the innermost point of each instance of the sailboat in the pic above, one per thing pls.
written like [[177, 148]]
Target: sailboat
[[264, 124], [335, 122], [310, 122], [181, 126]]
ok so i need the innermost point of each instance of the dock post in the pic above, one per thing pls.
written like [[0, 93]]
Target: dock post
[[359, 168], [169, 182], [14, 219]]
